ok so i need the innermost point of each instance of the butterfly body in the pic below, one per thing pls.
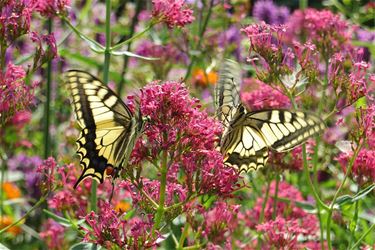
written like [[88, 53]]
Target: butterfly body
[[109, 127]]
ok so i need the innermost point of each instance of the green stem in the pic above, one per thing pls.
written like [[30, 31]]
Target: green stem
[[303, 4], [362, 237], [353, 224], [47, 105], [274, 212], [183, 236], [201, 34], [40, 202], [331, 207], [261, 216], [138, 9], [306, 172], [163, 186]]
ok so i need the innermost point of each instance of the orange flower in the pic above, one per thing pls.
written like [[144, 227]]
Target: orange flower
[[11, 190], [203, 79], [122, 206], [6, 221]]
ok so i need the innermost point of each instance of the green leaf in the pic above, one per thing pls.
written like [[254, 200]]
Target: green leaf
[[130, 54], [347, 199], [85, 246], [343, 199], [3, 247], [62, 221], [361, 194], [94, 45]]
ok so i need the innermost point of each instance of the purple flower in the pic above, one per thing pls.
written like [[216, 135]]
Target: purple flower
[[231, 39], [267, 11]]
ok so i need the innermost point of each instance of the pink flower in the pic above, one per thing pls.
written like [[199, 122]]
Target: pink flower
[[45, 49], [289, 211], [106, 228], [220, 222], [265, 39], [21, 118], [188, 134], [172, 12], [281, 233], [48, 171], [257, 95], [53, 235], [364, 165], [15, 19], [15, 95], [326, 30], [50, 8]]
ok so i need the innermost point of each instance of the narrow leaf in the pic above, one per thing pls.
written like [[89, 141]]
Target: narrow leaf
[[130, 54], [85, 246], [62, 221]]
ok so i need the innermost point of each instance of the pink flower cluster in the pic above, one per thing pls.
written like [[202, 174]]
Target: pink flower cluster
[[291, 221], [172, 12], [187, 134], [108, 229], [364, 165], [15, 95], [53, 234], [50, 8], [257, 95], [220, 221], [323, 28]]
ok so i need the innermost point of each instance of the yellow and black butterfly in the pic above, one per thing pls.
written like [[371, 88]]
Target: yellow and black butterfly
[[109, 127], [248, 136]]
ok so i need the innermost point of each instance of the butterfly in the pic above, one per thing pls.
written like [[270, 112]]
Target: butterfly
[[249, 135], [109, 128]]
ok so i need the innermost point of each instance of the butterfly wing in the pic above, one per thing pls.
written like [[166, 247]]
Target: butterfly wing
[[227, 91], [106, 122], [243, 145], [283, 130]]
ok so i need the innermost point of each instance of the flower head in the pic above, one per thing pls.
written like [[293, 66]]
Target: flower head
[[288, 211], [326, 30], [270, 13], [257, 95], [364, 165], [53, 234], [179, 127], [172, 12], [51, 8], [15, 95]]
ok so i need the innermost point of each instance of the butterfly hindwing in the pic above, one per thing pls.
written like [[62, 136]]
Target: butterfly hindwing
[[106, 123]]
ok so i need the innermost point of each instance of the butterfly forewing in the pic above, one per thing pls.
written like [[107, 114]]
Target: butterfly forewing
[[106, 124], [283, 130], [227, 90]]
